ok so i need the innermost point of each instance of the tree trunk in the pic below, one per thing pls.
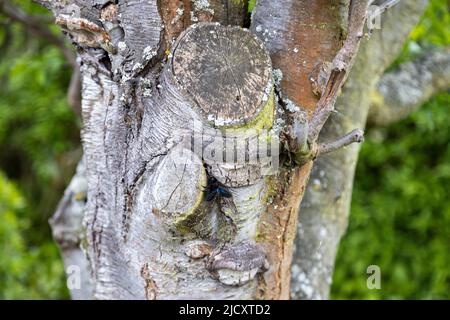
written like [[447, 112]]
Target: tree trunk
[[196, 157], [323, 216]]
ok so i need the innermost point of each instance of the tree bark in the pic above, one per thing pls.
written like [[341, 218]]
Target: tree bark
[[166, 217], [404, 90], [324, 212]]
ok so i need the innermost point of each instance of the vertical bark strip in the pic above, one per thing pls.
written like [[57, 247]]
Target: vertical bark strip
[[323, 216], [300, 36]]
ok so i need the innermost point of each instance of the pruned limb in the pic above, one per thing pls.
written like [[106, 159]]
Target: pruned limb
[[147, 184], [405, 89], [355, 136]]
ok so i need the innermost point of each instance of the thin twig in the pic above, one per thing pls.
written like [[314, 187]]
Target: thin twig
[[341, 66], [355, 136], [35, 26]]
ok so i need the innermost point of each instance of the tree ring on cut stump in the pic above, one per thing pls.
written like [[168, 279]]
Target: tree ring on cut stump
[[226, 72]]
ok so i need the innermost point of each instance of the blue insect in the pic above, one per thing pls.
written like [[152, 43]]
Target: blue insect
[[214, 189]]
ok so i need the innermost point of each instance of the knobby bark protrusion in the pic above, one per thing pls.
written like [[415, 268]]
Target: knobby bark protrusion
[[68, 232]]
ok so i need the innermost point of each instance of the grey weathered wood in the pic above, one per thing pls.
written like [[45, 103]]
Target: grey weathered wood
[[230, 86]]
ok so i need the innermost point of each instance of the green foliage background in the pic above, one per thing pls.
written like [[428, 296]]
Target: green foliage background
[[400, 217]]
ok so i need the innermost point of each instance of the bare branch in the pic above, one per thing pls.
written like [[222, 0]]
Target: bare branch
[[355, 136], [342, 64], [405, 89], [35, 26], [385, 5]]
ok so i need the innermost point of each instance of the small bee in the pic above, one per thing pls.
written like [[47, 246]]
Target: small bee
[[214, 189]]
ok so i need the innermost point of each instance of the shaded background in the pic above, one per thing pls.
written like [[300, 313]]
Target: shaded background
[[400, 218]]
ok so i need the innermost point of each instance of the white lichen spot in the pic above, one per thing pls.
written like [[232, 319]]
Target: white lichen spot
[[146, 87], [148, 53], [291, 106], [180, 11], [147, 93], [219, 122], [258, 28], [203, 5], [121, 46], [277, 76], [193, 17], [137, 66], [279, 122], [265, 97]]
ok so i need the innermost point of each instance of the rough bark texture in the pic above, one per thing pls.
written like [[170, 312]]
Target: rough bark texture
[[151, 232], [145, 211], [302, 37], [145, 202], [323, 216]]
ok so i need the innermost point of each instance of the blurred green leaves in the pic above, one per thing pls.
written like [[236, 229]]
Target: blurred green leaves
[[27, 271], [38, 133], [400, 216]]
